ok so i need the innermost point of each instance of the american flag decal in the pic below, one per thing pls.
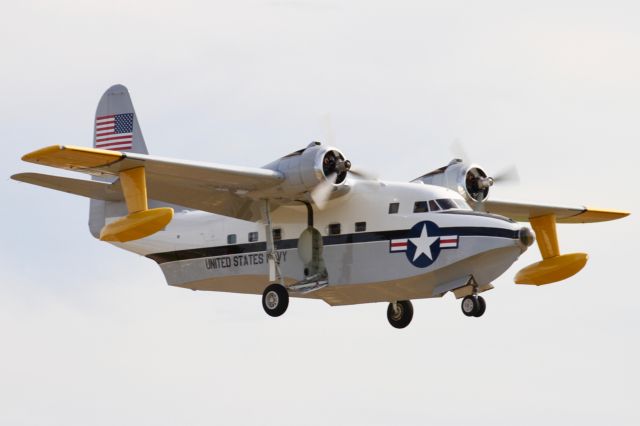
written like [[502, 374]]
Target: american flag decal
[[114, 132]]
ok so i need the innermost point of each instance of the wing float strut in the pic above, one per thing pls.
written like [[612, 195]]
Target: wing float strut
[[141, 220]]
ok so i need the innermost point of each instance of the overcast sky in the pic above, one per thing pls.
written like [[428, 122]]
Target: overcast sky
[[91, 335]]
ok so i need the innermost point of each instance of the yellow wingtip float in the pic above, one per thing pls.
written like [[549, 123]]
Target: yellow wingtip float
[[554, 266], [141, 221], [137, 225], [552, 270]]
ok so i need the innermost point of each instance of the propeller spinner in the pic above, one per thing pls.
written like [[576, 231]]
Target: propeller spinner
[[335, 168]]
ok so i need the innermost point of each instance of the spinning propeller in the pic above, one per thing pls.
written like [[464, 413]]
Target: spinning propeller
[[477, 182], [335, 168]]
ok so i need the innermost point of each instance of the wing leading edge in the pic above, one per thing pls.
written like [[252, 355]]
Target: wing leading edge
[[523, 212]]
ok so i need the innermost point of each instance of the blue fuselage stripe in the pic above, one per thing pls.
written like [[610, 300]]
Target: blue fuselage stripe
[[360, 237]]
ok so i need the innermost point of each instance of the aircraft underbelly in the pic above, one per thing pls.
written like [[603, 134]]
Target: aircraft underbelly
[[358, 273]]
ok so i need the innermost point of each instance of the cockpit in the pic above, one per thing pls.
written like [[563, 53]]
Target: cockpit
[[439, 205]]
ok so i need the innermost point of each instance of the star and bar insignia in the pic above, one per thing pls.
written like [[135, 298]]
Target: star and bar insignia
[[424, 243]]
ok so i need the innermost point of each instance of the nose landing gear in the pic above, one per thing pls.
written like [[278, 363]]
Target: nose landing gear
[[473, 306]]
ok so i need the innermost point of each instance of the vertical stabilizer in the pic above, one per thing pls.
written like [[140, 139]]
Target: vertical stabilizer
[[116, 124], [116, 128]]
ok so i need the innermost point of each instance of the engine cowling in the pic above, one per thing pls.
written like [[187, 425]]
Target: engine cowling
[[308, 167], [470, 181]]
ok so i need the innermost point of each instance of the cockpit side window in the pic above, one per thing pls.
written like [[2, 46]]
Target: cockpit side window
[[433, 206], [420, 207]]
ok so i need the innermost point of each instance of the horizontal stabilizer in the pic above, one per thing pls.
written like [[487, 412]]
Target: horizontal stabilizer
[[85, 188]]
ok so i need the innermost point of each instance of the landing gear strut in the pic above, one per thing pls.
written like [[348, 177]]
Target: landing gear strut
[[473, 306], [400, 313], [275, 300]]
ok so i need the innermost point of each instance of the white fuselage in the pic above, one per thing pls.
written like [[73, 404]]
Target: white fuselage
[[417, 254]]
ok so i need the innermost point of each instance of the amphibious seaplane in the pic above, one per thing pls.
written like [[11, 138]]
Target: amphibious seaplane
[[307, 224]]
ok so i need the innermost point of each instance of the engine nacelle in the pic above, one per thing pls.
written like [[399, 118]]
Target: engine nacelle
[[470, 181], [308, 167]]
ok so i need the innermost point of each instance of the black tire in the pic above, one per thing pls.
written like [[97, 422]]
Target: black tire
[[403, 316], [482, 306], [470, 305], [275, 300]]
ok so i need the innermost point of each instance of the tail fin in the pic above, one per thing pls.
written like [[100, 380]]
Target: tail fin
[[116, 128], [116, 125]]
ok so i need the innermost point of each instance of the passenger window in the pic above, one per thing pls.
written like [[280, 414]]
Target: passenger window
[[277, 234], [447, 204], [433, 206], [334, 229], [393, 208], [231, 239], [253, 237], [361, 226], [420, 207]]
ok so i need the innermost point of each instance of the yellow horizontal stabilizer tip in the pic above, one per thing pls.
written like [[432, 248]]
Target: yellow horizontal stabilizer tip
[[552, 269], [137, 225], [595, 215], [73, 157]]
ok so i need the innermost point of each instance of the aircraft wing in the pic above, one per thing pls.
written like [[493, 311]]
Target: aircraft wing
[[227, 190], [522, 212]]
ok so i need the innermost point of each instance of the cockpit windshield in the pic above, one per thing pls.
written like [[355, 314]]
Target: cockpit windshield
[[440, 204], [463, 205], [447, 204]]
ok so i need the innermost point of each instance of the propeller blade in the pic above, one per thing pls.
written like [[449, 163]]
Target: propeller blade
[[364, 174], [508, 175], [458, 150], [329, 134], [321, 193]]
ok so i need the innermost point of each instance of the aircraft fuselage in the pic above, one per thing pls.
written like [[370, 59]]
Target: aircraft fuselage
[[369, 247]]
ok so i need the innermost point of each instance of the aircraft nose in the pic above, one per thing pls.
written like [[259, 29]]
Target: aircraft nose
[[526, 236]]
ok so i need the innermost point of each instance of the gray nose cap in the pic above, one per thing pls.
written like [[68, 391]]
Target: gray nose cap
[[526, 236]]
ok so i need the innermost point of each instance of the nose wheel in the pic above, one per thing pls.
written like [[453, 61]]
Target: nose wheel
[[473, 306], [275, 300], [400, 313]]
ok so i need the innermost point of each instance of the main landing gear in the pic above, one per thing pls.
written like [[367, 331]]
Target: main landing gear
[[473, 306], [400, 313], [275, 300]]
